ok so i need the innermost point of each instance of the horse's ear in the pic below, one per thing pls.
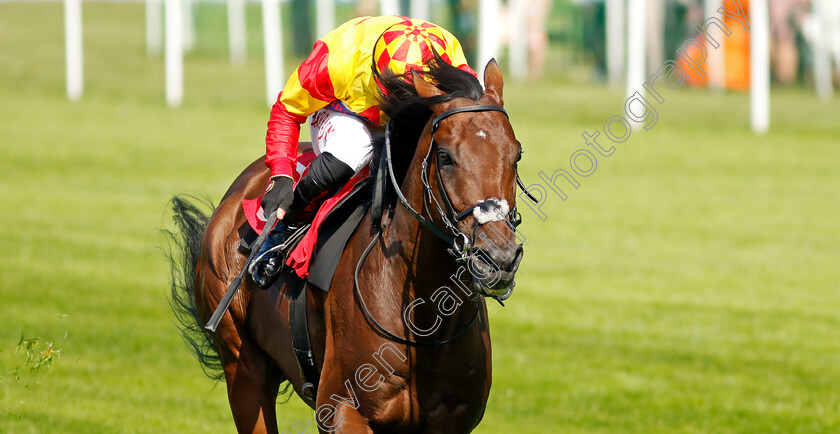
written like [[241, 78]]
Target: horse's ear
[[423, 87], [493, 82]]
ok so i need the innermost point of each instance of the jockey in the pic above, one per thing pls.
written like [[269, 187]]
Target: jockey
[[337, 87]]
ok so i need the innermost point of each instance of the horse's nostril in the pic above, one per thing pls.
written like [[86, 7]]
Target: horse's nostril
[[483, 255], [517, 258], [513, 260], [501, 260]]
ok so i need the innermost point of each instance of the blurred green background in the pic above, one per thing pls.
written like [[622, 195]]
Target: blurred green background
[[689, 285]]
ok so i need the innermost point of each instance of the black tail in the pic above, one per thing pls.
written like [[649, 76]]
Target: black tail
[[185, 241]]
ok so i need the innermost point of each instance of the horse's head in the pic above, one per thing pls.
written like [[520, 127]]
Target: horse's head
[[471, 178]]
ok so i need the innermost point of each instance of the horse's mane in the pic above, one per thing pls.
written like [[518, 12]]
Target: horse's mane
[[409, 112], [400, 101]]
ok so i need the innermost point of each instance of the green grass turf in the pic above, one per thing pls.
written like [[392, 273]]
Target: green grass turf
[[690, 284]]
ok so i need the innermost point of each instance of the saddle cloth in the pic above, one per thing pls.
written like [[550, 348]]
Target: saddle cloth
[[301, 257]]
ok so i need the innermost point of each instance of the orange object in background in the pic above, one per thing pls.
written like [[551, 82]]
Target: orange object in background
[[736, 53], [694, 79], [737, 49]]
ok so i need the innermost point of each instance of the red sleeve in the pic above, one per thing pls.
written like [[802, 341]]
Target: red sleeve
[[309, 89], [314, 73], [281, 140]]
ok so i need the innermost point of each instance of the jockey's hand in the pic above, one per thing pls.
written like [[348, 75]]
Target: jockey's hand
[[278, 196]]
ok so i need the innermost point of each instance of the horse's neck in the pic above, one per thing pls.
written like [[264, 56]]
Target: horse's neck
[[421, 247], [427, 265]]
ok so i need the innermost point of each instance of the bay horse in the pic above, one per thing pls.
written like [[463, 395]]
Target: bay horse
[[401, 338]]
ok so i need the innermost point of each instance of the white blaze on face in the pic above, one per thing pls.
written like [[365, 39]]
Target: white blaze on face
[[481, 134]]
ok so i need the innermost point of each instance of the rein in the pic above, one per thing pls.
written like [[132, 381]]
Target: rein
[[382, 328], [460, 252]]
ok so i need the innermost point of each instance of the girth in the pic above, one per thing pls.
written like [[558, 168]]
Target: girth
[[300, 340]]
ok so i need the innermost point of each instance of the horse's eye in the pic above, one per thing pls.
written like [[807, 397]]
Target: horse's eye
[[519, 156], [444, 158]]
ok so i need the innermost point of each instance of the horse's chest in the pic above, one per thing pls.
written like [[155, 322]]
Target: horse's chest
[[434, 400]]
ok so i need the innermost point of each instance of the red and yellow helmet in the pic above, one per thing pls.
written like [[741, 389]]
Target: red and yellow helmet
[[408, 45]]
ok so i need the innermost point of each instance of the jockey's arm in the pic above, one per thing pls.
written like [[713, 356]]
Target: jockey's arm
[[309, 89], [281, 139]]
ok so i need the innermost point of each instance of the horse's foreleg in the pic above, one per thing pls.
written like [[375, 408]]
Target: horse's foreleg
[[252, 384], [350, 421], [333, 417]]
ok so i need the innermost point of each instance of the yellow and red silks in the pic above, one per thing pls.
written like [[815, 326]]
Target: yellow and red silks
[[338, 74]]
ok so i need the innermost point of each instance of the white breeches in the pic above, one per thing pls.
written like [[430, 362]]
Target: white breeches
[[346, 137]]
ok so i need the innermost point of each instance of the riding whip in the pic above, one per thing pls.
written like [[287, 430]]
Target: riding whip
[[237, 282]]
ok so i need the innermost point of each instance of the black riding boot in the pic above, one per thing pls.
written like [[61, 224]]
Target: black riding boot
[[267, 263], [326, 176]]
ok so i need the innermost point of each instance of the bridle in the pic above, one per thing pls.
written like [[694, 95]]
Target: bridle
[[460, 244]]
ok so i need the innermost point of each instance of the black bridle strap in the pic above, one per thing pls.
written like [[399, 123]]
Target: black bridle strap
[[450, 240], [464, 214], [525, 189], [470, 108], [435, 126], [475, 108], [429, 225]]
